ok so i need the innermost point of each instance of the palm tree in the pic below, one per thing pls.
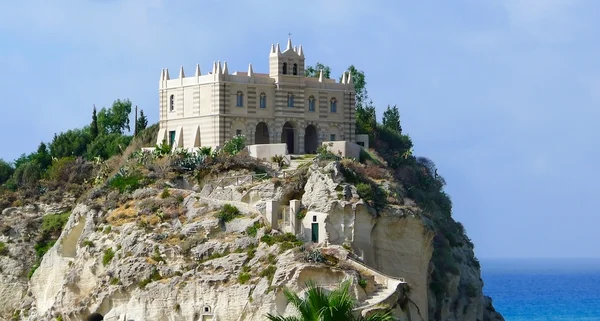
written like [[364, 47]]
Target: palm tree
[[317, 305]]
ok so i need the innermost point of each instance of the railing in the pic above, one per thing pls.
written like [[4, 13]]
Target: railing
[[235, 180], [374, 271]]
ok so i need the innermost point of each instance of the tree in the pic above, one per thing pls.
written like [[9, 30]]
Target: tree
[[106, 146], [315, 71], [6, 170], [73, 142], [115, 119], [42, 156], [391, 119], [318, 305], [142, 122], [94, 127], [366, 119], [360, 85]]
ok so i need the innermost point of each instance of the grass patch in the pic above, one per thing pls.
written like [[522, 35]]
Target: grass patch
[[244, 277], [269, 273], [3, 249], [227, 213], [253, 230], [109, 254]]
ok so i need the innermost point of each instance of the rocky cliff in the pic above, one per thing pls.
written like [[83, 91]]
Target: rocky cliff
[[169, 251]]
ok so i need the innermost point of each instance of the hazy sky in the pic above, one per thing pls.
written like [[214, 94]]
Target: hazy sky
[[502, 95]]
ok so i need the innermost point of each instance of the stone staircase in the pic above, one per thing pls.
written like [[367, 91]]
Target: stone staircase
[[381, 292], [295, 162], [386, 290]]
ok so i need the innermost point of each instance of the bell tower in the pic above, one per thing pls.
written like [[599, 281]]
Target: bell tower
[[287, 63]]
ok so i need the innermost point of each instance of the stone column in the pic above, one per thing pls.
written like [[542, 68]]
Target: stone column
[[294, 210], [272, 213]]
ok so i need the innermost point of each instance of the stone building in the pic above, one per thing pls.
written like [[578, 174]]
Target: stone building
[[282, 106]]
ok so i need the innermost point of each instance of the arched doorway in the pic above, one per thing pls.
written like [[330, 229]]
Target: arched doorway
[[261, 135], [288, 136], [311, 140]]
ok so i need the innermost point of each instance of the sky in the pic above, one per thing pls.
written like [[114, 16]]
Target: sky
[[503, 95]]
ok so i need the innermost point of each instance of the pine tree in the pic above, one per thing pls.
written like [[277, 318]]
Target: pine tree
[[94, 127], [142, 121], [391, 119]]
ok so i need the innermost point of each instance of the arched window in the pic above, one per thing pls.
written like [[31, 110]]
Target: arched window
[[285, 68], [240, 99], [172, 103], [263, 100], [290, 100], [311, 103], [333, 105], [295, 69]]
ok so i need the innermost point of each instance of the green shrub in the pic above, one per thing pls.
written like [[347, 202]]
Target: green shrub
[[244, 277], [165, 193], [268, 272], [234, 145], [154, 276], [365, 191], [126, 182], [6, 170], [114, 281], [362, 283], [281, 238], [3, 249], [109, 254], [88, 243], [52, 224], [302, 214], [228, 213], [253, 230]]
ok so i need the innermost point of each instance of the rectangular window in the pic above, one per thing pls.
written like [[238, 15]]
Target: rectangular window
[[290, 100], [238, 132], [332, 137], [171, 137], [333, 105], [263, 101], [311, 105]]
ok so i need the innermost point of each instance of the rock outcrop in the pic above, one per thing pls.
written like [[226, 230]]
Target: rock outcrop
[[157, 257]]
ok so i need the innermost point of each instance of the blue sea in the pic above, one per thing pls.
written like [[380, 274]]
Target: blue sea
[[544, 290]]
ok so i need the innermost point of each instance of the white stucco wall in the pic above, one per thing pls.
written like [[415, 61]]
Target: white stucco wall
[[306, 226]]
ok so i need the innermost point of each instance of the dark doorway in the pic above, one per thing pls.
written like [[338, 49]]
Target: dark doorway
[[315, 232], [261, 135], [287, 137], [310, 140]]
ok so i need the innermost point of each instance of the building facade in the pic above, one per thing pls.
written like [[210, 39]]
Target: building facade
[[282, 106]]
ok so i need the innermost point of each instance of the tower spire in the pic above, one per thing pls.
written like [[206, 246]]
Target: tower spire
[[250, 71], [181, 73], [300, 52], [321, 75], [198, 70], [277, 50], [343, 78], [167, 74], [289, 42], [162, 74], [225, 69], [350, 82]]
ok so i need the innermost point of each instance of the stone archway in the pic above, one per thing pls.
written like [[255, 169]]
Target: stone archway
[[311, 139], [261, 134], [288, 136]]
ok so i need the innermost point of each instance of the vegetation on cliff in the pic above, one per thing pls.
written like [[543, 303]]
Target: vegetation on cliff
[[102, 165]]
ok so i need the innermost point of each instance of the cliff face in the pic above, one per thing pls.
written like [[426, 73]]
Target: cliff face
[[166, 256]]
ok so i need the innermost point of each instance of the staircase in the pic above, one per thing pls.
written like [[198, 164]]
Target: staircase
[[386, 287], [295, 162]]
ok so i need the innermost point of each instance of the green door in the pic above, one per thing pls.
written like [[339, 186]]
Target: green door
[[171, 137], [315, 232]]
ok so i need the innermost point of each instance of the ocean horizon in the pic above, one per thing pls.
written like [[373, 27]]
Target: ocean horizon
[[543, 289]]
